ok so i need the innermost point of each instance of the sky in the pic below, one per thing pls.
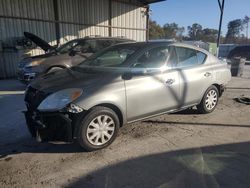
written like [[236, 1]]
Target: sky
[[204, 12]]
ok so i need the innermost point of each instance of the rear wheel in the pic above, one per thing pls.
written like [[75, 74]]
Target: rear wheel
[[98, 129], [209, 100]]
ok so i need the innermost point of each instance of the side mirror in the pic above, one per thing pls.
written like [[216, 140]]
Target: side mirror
[[72, 53], [138, 71], [134, 72]]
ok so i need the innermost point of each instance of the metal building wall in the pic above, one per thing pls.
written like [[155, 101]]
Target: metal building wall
[[130, 19], [84, 16], [12, 27], [76, 19]]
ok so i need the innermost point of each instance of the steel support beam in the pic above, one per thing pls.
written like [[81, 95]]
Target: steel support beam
[[110, 18], [57, 27], [221, 6], [147, 22]]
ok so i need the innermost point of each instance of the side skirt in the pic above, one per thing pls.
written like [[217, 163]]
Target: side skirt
[[162, 113]]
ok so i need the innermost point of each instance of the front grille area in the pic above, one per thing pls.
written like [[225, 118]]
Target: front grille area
[[33, 98]]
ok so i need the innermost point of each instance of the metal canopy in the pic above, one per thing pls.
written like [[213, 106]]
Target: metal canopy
[[146, 2]]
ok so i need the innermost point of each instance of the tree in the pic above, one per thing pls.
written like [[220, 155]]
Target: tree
[[195, 31], [246, 21], [209, 35], [234, 30], [155, 30], [172, 30]]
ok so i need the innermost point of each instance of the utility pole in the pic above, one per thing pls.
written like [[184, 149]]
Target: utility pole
[[221, 5]]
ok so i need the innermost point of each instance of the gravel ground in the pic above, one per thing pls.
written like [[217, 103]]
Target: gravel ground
[[184, 149]]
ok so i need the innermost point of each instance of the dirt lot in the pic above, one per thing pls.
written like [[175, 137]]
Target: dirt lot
[[185, 149]]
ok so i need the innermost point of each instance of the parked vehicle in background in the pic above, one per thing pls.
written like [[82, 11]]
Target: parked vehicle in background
[[224, 50], [119, 85], [240, 51], [65, 56]]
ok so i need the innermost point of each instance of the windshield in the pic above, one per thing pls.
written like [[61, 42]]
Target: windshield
[[67, 46], [115, 56]]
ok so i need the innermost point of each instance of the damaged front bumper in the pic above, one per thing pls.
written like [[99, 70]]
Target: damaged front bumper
[[53, 126], [57, 125]]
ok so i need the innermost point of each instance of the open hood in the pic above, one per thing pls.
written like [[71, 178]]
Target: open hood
[[38, 41]]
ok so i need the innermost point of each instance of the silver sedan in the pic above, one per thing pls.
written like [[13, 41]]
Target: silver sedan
[[120, 85]]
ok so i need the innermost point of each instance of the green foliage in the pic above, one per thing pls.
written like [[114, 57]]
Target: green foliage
[[246, 21], [197, 33], [155, 30], [234, 30], [172, 31], [168, 31], [209, 35]]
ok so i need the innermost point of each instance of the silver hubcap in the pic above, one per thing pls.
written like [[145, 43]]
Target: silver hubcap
[[211, 99], [100, 130]]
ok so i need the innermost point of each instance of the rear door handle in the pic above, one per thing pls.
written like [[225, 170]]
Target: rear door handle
[[207, 74], [170, 81]]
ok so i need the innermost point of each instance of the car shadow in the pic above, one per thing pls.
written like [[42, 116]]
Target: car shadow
[[27, 144], [188, 111], [196, 123], [11, 85], [212, 166], [30, 145]]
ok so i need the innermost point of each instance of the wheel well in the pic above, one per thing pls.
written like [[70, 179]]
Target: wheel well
[[55, 66], [219, 89], [115, 109]]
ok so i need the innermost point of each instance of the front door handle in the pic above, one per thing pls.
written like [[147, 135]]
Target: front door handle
[[207, 74], [170, 81]]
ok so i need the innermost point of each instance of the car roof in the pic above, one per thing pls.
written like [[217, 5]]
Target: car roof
[[168, 42], [101, 38]]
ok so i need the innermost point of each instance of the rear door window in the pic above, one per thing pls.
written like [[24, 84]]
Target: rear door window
[[188, 57], [153, 58], [84, 47], [101, 44]]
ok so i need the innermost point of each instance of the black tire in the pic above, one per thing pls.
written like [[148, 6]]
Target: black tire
[[84, 123], [202, 107]]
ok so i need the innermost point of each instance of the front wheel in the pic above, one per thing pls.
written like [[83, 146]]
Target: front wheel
[[98, 129], [209, 100]]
